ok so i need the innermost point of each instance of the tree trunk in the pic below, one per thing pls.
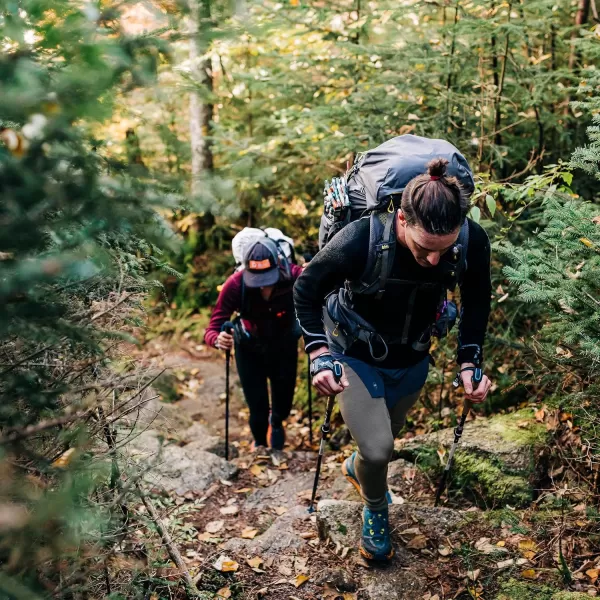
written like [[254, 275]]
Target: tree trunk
[[201, 109], [581, 18]]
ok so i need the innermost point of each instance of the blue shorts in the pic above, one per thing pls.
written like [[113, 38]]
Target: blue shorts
[[391, 384]]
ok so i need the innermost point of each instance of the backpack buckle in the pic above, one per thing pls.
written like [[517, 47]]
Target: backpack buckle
[[384, 246]]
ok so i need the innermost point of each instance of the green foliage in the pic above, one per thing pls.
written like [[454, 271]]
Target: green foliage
[[78, 235]]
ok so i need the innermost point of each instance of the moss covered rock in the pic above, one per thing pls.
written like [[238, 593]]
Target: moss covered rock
[[495, 462], [520, 590]]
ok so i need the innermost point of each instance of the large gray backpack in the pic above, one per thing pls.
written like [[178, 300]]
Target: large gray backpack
[[374, 186]]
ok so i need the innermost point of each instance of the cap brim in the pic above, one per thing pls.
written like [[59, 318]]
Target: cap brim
[[256, 280]]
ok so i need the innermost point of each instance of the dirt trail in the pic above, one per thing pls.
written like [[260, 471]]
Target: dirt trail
[[246, 532]]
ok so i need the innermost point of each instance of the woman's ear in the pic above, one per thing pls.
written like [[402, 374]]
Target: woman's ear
[[401, 218]]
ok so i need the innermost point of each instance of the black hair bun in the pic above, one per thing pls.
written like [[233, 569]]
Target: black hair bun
[[437, 167]]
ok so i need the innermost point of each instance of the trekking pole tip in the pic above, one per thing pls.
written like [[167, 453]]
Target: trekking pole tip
[[310, 510]]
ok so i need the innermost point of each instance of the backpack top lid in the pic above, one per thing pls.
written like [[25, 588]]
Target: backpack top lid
[[387, 169]]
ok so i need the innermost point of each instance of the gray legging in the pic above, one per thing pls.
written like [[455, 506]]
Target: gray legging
[[373, 427]]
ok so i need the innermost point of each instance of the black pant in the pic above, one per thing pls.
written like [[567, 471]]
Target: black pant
[[276, 361]]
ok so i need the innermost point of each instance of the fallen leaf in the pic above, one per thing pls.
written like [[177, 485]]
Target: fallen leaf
[[501, 544], [225, 482], [300, 565], [308, 535], [257, 470], [255, 562], [474, 575], [230, 510], [262, 592], [445, 551], [285, 570], [214, 526], [528, 546], [300, 579], [503, 564], [64, 459], [226, 565], [224, 593], [207, 537], [529, 574], [592, 574], [412, 531], [419, 542], [280, 510], [249, 533], [243, 490]]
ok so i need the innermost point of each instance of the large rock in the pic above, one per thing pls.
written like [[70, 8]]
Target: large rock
[[341, 522], [179, 469], [283, 536], [495, 460]]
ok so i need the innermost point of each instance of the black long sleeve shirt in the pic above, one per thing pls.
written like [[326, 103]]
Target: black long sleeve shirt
[[344, 259]]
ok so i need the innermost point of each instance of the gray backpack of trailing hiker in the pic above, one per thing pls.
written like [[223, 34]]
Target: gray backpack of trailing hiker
[[372, 189]]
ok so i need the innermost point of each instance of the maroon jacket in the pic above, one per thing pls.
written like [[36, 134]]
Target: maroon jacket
[[265, 319]]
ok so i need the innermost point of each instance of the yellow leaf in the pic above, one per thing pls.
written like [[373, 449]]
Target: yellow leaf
[[224, 593], [255, 562], [300, 579], [229, 566], [525, 545], [64, 459], [249, 534], [501, 544], [529, 574], [294, 2], [586, 242], [256, 470], [592, 574]]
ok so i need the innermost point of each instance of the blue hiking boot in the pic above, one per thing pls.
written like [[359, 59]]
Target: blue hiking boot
[[376, 543], [276, 437], [350, 475]]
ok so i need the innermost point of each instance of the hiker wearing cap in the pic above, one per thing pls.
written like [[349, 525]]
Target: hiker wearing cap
[[265, 336], [384, 279]]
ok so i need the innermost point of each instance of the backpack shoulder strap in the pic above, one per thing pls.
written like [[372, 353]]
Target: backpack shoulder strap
[[463, 240], [380, 259], [387, 247]]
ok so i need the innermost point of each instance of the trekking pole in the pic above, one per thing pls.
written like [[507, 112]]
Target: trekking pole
[[227, 328], [309, 383], [337, 373], [477, 377]]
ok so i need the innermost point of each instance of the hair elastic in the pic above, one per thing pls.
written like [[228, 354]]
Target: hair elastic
[[435, 177]]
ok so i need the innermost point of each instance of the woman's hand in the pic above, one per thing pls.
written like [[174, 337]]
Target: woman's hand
[[478, 395], [325, 381], [225, 341]]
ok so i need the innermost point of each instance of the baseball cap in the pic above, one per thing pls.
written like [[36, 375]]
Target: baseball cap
[[260, 264]]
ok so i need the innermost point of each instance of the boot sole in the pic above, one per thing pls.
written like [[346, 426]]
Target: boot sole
[[370, 556], [351, 479]]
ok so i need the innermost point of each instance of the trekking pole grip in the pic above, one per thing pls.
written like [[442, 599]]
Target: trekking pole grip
[[227, 327]]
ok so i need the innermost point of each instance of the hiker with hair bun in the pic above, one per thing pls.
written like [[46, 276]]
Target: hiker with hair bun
[[384, 281], [265, 335]]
